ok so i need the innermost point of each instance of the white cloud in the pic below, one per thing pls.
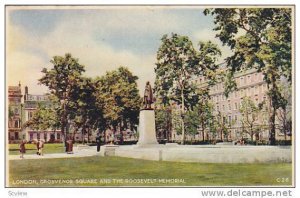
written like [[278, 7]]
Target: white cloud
[[25, 66], [209, 35], [75, 34]]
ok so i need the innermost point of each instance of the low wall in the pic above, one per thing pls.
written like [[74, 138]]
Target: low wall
[[208, 154]]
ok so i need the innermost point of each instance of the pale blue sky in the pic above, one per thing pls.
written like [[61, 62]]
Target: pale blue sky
[[103, 38]]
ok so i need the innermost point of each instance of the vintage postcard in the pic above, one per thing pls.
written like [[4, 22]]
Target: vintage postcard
[[150, 96]]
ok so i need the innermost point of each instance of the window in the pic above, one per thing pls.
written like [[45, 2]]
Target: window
[[229, 107], [217, 108], [58, 136], [30, 114], [260, 89], [31, 136], [236, 105], [38, 135], [235, 118], [16, 135], [16, 124], [229, 119], [264, 98]]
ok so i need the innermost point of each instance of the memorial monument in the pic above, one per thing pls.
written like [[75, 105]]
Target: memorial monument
[[147, 134]]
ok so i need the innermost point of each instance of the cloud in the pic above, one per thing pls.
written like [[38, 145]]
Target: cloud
[[209, 35], [102, 39], [24, 64]]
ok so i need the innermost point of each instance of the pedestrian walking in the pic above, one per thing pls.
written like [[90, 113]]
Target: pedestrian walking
[[98, 141], [70, 146], [22, 148], [40, 146]]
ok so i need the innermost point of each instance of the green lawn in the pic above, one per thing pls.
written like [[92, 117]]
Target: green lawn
[[31, 148], [98, 170]]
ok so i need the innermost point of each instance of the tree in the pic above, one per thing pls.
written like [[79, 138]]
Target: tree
[[43, 118], [177, 63], [260, 38], [118, 92], [62, 79], [250, 116], [87, 114], [163, 121], [204, 112], [222, 124], [284, 114]]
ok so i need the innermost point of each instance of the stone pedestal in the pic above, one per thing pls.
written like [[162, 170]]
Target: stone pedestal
[[108, 150], [147, 135]]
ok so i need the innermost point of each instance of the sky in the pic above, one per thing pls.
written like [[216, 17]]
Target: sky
[[102, 38]]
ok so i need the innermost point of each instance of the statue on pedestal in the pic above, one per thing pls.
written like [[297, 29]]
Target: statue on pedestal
[[148, 96]]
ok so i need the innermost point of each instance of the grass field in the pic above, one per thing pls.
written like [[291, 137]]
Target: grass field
[[13, 149], [100, 171]]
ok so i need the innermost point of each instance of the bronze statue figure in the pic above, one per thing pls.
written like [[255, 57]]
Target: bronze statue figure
[[148, 96]]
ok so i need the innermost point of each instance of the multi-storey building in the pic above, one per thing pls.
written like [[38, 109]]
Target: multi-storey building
[[15, 113], [31, 103], [251, 84], [20, 111]]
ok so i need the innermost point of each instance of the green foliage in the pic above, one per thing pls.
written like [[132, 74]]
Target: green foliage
[[118, 94], [43, 118], [62, 81], [163, 120], [86, 114], [260, 38], [250, 115], [63, 77], [178, 64]]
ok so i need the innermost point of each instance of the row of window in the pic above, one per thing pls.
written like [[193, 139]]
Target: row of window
[[250, 91], [236, 105], [37, 98], [240, 81], [38, 136]]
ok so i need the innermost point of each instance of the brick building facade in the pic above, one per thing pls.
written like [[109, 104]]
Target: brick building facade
[[250, 83]]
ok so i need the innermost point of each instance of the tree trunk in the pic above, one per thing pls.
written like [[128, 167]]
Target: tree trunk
[[63, 125], [169, 122], [251, 133], [182, 118], [83, 134], [88, 135], [221, 135], [104, 134], [203, 129], [272, 127], [284, 123]]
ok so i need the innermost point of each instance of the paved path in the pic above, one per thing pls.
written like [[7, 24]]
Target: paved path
[[83, 152]]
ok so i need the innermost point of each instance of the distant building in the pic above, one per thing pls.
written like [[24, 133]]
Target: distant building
[[250, 84], [20, 110], [31, 103], [15, 113]]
